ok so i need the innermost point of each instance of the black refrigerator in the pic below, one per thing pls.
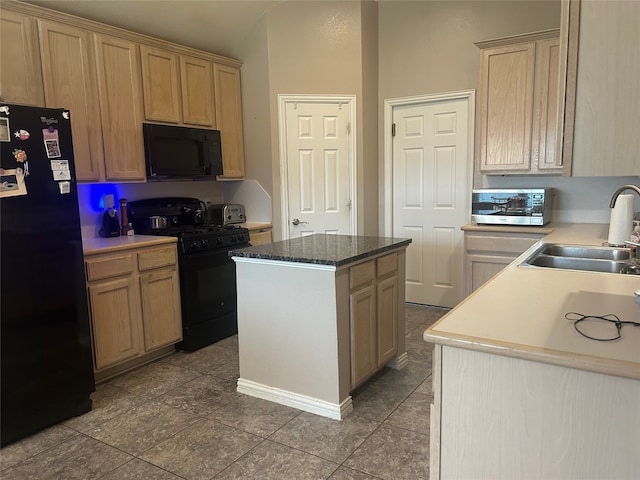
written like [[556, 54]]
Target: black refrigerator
[[46, 359]]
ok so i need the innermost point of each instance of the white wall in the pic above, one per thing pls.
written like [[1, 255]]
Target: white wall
[[577, 199]]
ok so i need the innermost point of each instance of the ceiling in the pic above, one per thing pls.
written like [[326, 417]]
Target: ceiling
[[217, 26]]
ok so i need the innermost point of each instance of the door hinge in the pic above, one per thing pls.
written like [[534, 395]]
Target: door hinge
[[393, 129], [349, 127]]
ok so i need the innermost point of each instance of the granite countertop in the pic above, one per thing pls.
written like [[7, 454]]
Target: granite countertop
[[98, 245], [521, 312], [322, 249]]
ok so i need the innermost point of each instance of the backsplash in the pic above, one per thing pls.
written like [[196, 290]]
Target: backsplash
[[89, 196], [576, 199]]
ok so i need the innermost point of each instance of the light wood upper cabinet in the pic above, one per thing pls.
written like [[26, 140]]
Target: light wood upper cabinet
[[607, 98], [21, 72], [112, 80], [69, 72], [545, 146], [506, 107], [177, 88], [121, 111], [197, 92], [228, 100], [518, 104], [161, 83]]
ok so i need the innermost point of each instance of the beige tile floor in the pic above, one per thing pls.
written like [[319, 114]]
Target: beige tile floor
[[181, 418]]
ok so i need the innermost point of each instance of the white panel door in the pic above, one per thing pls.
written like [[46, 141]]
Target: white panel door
[[430, 191], [317, 160]]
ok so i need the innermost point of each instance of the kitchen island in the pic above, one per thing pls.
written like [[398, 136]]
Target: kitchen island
[[519, 393], [317, 316]]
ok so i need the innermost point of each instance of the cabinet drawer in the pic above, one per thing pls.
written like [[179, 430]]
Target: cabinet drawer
[[515, 245], [157, 257], [109, 266], [387, 265], [362, 274]]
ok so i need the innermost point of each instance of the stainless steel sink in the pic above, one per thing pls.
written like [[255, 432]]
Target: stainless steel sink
[[579, 251], [577, 257]]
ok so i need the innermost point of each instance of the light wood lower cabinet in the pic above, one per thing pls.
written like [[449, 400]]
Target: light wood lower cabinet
[[134, 300], [373, 304], [261, 236], [545, 420], [487, 253]]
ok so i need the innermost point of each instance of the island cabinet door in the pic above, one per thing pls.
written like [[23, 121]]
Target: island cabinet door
[[387, 319], [362, 304]]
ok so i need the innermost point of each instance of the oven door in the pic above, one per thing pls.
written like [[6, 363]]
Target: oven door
[[207, 285]]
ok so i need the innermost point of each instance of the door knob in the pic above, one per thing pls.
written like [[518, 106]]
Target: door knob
[[295, 221]]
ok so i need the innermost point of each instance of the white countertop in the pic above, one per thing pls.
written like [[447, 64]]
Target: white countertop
[[520, 312]]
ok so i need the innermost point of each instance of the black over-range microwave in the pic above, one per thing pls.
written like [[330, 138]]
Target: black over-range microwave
[[181, 152]]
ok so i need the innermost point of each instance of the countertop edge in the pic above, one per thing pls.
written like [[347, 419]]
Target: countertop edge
[[507, 229], [253, 226], [588, 363], [98, 246], [246, 253]]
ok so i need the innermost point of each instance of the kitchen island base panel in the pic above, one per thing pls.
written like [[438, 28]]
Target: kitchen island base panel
[[296, 341], [289, 336], [335, 411]]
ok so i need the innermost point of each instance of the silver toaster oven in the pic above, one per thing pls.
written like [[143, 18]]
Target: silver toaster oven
[[528, 206], [225, 213]]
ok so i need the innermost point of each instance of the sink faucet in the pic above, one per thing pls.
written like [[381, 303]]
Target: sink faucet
[[620, 190]]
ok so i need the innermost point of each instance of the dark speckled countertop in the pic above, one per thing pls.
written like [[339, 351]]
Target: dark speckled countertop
[[322, 249]]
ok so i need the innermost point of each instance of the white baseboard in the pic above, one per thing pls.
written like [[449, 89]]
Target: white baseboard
[[336, 411], [399, 362]]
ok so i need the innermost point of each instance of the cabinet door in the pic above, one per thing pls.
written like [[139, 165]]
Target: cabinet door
[[160, 85], [69, 72], [505, 107], [481, 268], [363, 334], [21, 73], [196, 79], [546, 150], [607, 109], [115, 321], [228, 103], [120, 92], [387, 303], [260, 238], [161, 314]]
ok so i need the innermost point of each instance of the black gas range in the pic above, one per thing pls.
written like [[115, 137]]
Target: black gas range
[[207, 273]]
